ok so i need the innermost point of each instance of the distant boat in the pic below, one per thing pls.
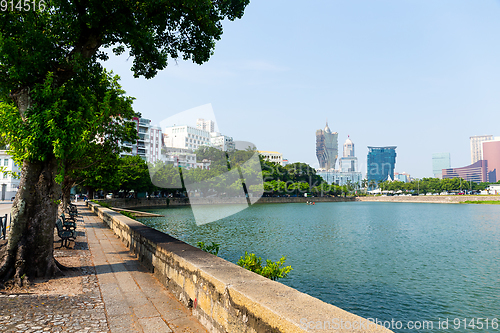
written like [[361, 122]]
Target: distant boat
[[311, 203]]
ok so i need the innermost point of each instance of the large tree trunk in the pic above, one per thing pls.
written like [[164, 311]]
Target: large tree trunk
[[29, 252], [91, 192], [66, 194]]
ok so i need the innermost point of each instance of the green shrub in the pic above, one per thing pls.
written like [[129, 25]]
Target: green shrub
[[272, 270], [128, 214], [213, 249], [103, 204]]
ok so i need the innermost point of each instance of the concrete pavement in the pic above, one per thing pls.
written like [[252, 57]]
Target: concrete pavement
[[5, 208], [117, 294], [134, 300]]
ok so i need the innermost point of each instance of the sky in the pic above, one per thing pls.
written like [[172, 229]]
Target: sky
[[421, 75]]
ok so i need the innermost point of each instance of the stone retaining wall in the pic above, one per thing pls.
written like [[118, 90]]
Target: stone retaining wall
[[162, 202], [432, 198], [223, 296]]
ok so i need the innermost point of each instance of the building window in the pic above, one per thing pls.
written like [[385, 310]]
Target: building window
[[6, 162]]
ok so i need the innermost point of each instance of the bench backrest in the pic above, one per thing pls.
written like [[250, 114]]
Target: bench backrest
[[59, 225], [3, 226]]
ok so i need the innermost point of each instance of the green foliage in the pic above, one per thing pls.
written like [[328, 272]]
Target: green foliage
[[432, 185], [55, 96], [486, 202], [128, 214], [101, 203], [213, 248], [272, 270], [133, 174]]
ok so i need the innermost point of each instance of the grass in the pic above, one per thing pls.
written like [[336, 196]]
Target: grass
[[487, 202]]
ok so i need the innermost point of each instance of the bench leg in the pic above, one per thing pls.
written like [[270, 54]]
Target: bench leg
[[62, 242]]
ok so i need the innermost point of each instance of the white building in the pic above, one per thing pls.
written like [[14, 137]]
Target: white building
[[341, 178], [183, 158], [348, 162], [206, 125], [186, 137], [493, 189], [8, 183], [149, 144], [221, 142], [155, 144], [348, 171], [272, 156]]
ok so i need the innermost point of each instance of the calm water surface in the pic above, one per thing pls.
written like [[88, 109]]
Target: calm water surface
[[407, 262]]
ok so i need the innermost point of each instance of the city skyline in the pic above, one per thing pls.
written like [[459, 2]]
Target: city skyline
[[408, 74]]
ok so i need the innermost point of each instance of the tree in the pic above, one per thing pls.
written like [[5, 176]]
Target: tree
[[133, 174], [50, 78], [101, 175], [364, 184]]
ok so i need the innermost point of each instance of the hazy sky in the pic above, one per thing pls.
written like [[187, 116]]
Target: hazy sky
[[421, 75]]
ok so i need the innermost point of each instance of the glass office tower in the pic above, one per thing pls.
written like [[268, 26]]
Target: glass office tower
[[381, 163], [440, 161]]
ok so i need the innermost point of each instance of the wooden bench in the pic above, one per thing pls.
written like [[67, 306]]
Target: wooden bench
[[65, 234]]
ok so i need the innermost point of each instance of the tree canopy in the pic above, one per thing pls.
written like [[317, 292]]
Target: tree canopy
[[56, 99]]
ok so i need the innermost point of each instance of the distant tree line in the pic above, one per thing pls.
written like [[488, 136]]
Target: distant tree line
[[432, 185], [224, 177]]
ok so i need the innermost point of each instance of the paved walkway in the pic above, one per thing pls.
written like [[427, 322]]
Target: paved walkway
[[119, 294]]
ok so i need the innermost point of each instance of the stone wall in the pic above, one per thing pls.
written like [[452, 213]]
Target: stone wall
[[432, 198], [163, 202], [224, 296]]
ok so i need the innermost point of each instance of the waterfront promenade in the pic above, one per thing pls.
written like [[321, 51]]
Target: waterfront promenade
[[108, 290]]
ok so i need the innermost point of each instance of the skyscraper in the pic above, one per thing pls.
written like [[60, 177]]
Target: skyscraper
[[491, 153], [326, 148], [381, 162], [440, 161], [348, 162], [476, 148]]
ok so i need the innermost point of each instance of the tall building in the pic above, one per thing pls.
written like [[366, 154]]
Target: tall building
[[440, 161], [348, 162], [381, 162], [150, 141], [476, 147], [326, 148], [476, 172], [206, 125], [348, 171], [185, 137], [491, 153]]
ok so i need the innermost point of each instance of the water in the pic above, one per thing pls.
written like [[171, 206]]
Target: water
[[407, 262]]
